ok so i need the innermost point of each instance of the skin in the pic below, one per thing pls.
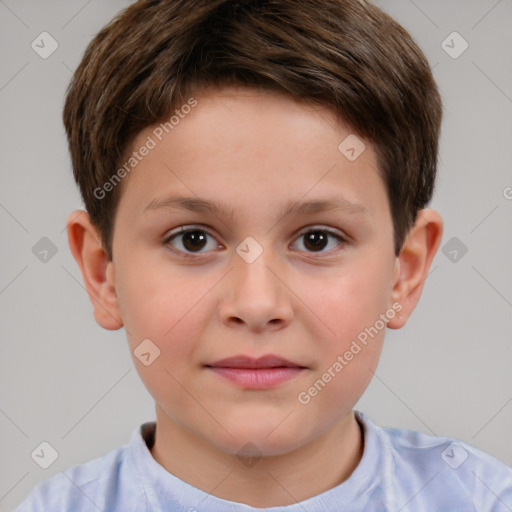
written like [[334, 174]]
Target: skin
[[254, 151]]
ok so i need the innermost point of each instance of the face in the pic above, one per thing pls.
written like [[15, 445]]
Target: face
[[246, 233]]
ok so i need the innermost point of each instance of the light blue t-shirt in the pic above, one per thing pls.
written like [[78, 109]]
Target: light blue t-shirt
[[401, 470]]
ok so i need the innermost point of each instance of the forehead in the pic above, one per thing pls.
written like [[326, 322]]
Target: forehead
[[240, 146]]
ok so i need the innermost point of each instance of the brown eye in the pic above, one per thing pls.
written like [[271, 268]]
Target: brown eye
[[317, 240], [192, 240]]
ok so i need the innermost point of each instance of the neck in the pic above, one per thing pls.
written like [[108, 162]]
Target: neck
[[267, 482]]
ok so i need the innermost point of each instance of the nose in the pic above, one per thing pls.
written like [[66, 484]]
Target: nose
[[255, 298]]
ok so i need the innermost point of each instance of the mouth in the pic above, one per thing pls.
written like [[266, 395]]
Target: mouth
[[262, 373]]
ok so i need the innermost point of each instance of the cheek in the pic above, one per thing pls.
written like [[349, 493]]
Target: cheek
[[349, 300], [353, 308], [171, 311], [173, 318], [157, 299]]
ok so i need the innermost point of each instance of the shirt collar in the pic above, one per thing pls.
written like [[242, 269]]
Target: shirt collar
[[162, 488]]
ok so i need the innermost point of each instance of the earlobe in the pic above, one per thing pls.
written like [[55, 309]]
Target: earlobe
[[96, 268], [414, 261]]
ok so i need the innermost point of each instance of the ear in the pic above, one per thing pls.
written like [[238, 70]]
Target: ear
[[413, 264], [96, 268]]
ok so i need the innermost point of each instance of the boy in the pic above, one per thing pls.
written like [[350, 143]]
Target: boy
[[295, 143]]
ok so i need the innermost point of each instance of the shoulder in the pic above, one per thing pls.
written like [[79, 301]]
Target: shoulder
[[441, 468], [95, 485]]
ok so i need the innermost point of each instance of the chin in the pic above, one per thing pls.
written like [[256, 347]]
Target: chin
[[261, 438]]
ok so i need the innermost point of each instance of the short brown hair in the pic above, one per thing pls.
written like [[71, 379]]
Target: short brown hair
[[347, 55]]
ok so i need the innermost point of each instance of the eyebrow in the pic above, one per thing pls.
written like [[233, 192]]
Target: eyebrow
[[196, 204]]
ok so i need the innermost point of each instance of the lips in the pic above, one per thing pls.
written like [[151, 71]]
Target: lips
[[265, 372], [268, 361]]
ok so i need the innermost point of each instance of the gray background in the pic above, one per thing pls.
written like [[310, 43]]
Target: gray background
[[66, 381]]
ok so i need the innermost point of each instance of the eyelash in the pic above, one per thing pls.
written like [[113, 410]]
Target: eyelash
[[184, 230]]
